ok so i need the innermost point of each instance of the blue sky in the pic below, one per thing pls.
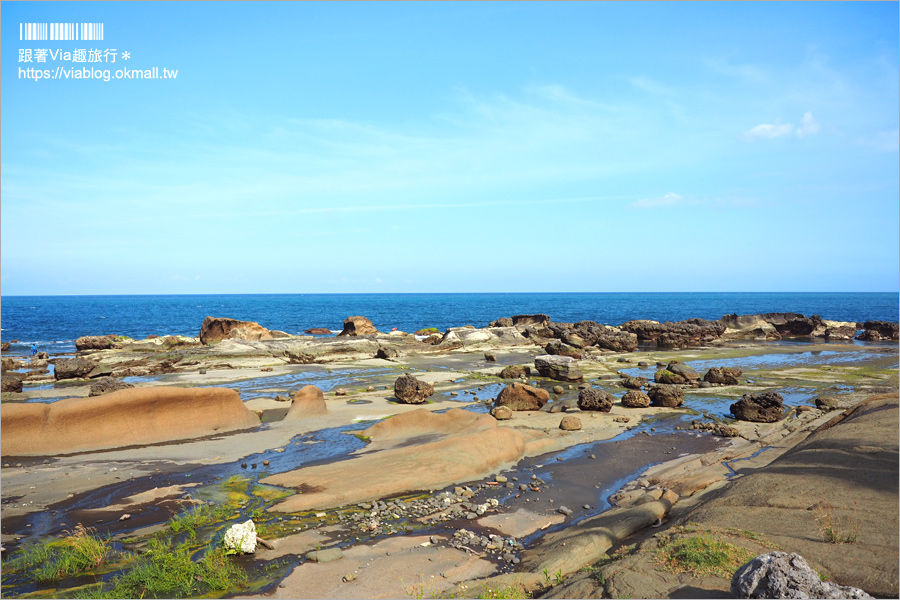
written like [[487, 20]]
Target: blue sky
[[455, 147]]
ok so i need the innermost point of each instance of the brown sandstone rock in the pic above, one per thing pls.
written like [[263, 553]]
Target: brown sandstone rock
[[217, 329], [561, 368], [358, 326], [518, 396], [12, 382], [766, 407], [105, 385], [72, 368], [409, 390], [635, 399], [124, 418], [595, 399], [462, 446], [669, 396], [723, 375], [309, 401], [318, 331], [93, 342], [502, 413], [515, 372], [570, 423]]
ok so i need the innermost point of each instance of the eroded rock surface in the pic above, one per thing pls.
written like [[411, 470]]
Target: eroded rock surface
[[123, 418], [783, 575], [216, 329], [518, 396], [561, 368], [309, 401], [358, 326], [409, 390], [766, 407]]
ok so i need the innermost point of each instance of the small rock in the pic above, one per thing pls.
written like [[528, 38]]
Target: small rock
[[349, 577], [564, 511], [125, 517], [340, 392]]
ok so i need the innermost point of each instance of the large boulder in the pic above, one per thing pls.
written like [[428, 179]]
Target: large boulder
[[138, 416], [635, 399], [783, 575], [215, 330], [669, 396], [309, 401], [518, 396], [561, 368], [679, 334], [72, 368], [409, 390], [879, 330], [93, 342], [358, 326], [106, 385], [723, 375], [12, 381], [766, 407], [595, 399]]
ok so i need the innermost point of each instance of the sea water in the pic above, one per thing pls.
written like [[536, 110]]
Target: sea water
[[54, 322]]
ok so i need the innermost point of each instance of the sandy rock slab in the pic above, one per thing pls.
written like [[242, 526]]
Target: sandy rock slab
[[417, 450], [400, 567], [129, 417]]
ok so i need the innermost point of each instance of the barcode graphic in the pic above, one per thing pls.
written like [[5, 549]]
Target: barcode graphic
[[61, 31]]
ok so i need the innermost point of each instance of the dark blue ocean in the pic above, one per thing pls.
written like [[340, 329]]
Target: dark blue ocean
[[53, 322]]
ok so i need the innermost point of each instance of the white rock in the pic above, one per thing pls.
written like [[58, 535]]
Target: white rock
[[241, 538]]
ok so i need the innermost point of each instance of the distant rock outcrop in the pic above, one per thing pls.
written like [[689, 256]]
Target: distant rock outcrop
[[358, 326], [136, 416], [876, 331], [217, 329], [318, 331], [93, 342], [676, 335]]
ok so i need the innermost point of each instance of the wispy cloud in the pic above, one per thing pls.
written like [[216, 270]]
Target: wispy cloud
[[669, 199], [767, 130], [808, 126]]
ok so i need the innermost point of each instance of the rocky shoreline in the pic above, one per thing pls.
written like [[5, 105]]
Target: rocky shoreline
[[532, 387]]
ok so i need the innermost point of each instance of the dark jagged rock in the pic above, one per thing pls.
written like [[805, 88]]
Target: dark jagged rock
[[602, 336], [669, 396], [876, 331], [409, 390], [676, 335], [518, 396], [387, 352], [723, 375], [595, 399], [502, 322], [766, 407]]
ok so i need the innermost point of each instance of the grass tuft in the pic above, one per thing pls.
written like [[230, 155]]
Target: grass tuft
[[835, 529], [701, 555], [79, 551]]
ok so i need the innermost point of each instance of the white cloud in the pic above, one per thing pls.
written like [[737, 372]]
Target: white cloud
[[808, 125], [667, 200], [769, 131]]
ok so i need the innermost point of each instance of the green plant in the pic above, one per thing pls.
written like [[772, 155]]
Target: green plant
[[701, 555], [558, 577], [835, 529], [194, 518], [79, 551], [169, 571]]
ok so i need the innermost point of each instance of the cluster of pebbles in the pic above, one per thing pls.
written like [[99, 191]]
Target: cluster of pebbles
[[495, 545]]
